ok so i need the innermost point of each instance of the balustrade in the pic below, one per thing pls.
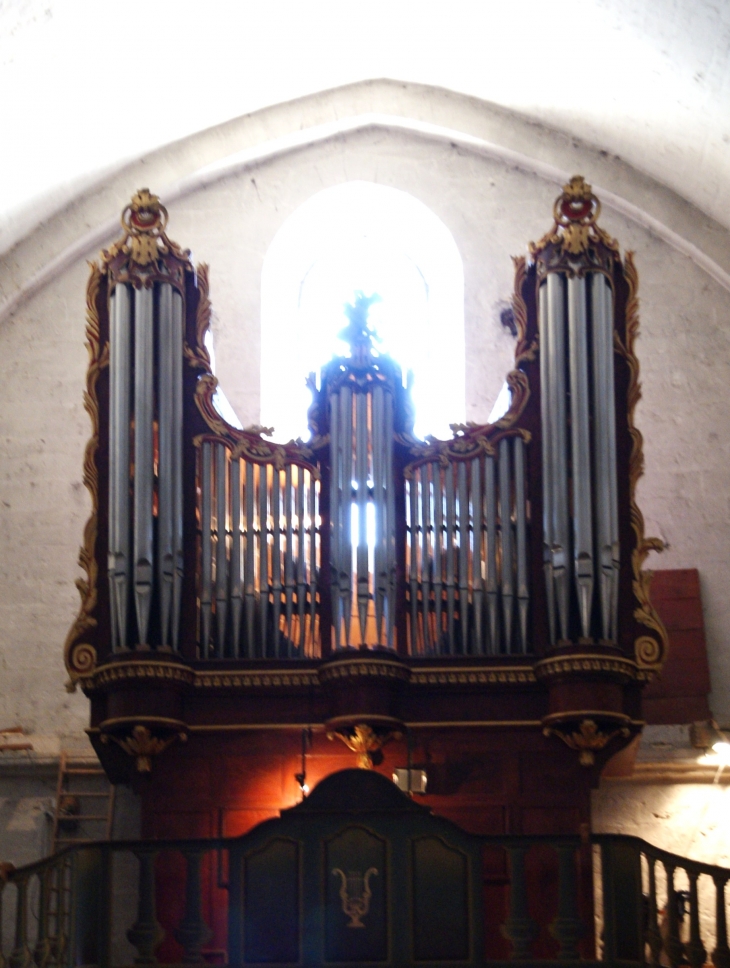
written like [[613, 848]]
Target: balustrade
[[64, 915]]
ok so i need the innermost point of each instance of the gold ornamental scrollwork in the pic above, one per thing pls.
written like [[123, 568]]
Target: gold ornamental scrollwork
[[576, 211], [650, 650], [144, 222], [80, 657], [355, 894]]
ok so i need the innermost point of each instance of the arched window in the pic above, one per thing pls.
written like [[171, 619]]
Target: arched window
[[360, 236]]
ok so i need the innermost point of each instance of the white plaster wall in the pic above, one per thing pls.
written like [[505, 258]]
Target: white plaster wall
[[492, 209]]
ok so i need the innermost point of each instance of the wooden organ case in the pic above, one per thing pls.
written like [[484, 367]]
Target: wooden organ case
[[473, 606]]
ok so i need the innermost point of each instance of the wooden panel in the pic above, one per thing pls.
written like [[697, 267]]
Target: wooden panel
[[271, 925], [356, 897], [440, 890]]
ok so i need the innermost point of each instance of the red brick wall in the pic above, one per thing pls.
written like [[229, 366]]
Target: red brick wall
[[681, 694]]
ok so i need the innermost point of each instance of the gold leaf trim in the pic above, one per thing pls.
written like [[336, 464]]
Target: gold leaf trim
[[562, 665], [647, 656], [80, 658]]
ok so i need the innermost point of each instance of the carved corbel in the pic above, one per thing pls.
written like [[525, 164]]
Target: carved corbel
[[143, 741], [588, 735], [367, 741]]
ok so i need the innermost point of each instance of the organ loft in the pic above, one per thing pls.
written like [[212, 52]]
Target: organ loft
[[468, 616]]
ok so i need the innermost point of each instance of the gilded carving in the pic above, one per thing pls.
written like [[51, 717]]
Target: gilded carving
[[143, 745], [364, 740], [588, 739], [79, 657], [648, 656], [575, 212]]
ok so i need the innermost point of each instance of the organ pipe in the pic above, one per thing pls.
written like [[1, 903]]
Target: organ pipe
[[119, 413], [143, 456], [580, 450]]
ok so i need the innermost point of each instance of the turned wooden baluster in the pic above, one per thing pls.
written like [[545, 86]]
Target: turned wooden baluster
[[673, 946], [21, 957], [652, 935], [43, 949], [567, 928], [694, 949], [146, 932], [519, 928], [721, 954], [193, 932]]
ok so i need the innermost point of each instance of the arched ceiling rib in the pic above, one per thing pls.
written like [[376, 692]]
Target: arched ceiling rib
[[96, 85]]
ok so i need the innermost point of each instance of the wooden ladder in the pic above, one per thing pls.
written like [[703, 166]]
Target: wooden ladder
[[84, 808]]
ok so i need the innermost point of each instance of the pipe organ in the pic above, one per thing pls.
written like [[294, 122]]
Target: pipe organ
[[364, 578]]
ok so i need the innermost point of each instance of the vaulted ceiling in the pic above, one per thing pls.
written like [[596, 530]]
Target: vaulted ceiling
[[87, 87]]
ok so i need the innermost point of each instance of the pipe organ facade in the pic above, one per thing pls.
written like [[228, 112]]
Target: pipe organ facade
[[364, 578]]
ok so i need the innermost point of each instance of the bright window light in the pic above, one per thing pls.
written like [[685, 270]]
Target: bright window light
[[367, 237]]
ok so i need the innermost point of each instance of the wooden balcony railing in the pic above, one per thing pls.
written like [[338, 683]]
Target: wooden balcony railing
[[82, 905]]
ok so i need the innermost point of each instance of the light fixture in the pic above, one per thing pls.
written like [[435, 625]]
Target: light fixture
[[301, 777], [410, 780]]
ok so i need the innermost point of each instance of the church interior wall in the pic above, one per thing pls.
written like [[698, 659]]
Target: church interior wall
[[492, 208]]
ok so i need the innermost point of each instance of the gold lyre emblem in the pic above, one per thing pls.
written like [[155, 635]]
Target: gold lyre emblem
[[355, 894]]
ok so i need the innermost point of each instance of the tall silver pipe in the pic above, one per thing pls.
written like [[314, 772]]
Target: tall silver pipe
[[119, 387], [426, 559], [505, 515], [557, 359], [438, 540], [143, 457], [463, 556], [380, 551], [221, 549], [476, 561], [236, 556], [177, 463], [312, 558], [165, 484], [413, 563], [249, 563], [548, 435], [206, 549], [450, 557], [523, 589], [345, 459], [301, 559], [264, 571], [289, 557], [390, 525], [604, 446], [276, 559], [361, 479], [490, 490], [581, 450], [335, 514]]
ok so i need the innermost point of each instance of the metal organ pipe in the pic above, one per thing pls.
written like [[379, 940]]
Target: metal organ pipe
[[206, 551], [581, 450], [505, 515], [143, 457], [119, 385], [523, 589], [176, 350], [361, 481], [604, 424], [221, 550], [557, 467]]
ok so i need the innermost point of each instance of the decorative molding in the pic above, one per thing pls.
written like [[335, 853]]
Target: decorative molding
[[357, 668], [474, 675], [115, 672], [559, 665], [255, 679], [140, 742]]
